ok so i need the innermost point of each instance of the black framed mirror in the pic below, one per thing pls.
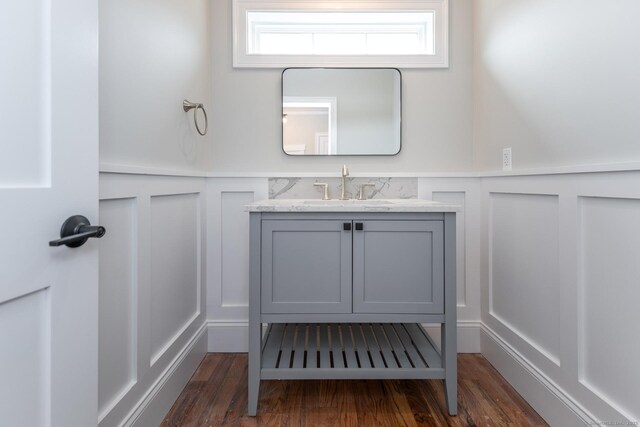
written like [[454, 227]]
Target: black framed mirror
[[341, 111]]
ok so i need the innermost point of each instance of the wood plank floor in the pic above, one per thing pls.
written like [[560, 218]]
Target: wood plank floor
[[216, 395]]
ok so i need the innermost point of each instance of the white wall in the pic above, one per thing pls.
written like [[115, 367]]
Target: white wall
[[437, 106], [557, 81], [154, 54]]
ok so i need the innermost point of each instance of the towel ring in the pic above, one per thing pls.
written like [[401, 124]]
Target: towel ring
[[187, 106]]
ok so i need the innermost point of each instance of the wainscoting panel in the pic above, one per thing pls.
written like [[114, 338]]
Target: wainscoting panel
[[175, 276], [118, 309], [466, 193], [152, 293], [234, 225], [559, 292], [524, 290], [609, 292], [228, 260]]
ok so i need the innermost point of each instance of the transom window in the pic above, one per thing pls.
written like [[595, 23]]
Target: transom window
[[339, 33], [334, 33]]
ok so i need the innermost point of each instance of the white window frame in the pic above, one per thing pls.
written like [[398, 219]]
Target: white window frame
[[242, 59]]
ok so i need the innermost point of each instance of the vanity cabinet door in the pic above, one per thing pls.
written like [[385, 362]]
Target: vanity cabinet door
[[398, 267], [306, 266]]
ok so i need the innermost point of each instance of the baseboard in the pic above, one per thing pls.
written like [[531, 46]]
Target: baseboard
[[154, 405], [468, 335], [228, 337], [233, 337], [543, 394]]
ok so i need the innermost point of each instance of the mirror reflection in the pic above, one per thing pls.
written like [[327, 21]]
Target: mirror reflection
[[341, 111]]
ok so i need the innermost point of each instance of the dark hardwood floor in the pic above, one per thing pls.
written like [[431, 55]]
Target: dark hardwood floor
[[216, 395]]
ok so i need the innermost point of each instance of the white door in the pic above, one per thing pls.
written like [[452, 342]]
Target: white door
[[48, 172]]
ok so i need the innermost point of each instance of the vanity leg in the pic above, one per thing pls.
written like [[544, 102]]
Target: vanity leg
[[449, 359], [255, 326], [449, 335], [254, 370]]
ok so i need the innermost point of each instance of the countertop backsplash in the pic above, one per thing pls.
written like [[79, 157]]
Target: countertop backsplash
[[303, 188]]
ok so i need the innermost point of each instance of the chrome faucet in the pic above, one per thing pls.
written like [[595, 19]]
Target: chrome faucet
[[345, 174]]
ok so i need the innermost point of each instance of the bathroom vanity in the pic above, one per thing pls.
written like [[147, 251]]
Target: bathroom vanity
[[343, 288]]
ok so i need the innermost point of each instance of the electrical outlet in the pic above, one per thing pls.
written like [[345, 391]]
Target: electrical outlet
[[506, 159]]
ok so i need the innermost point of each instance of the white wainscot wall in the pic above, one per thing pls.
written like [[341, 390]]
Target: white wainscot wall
[[466, 193], [547, 284], [559, 283], [152, 294], [228, 257]]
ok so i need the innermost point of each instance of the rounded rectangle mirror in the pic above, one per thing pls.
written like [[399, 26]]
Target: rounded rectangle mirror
[[341, 111]]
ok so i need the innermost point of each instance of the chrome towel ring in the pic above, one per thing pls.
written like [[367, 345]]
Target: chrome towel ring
[[187, 106]]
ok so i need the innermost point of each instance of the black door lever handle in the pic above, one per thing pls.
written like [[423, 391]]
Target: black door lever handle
[[76, 230]]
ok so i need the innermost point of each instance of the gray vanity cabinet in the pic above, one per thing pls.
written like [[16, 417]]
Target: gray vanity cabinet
[[306, 266], [398, 267], [344, 294]]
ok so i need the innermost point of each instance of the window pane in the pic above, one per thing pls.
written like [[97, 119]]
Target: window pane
[[395, 44], [284, 44], [339, 44], [340, 33]]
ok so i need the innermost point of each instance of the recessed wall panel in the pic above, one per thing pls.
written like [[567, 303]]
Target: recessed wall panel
[[235, 248], [174, 267], [25, 370], [610, 292], [118, 301], [524, 250]]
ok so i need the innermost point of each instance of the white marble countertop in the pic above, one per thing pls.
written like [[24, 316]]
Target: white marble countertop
[[371, 205]]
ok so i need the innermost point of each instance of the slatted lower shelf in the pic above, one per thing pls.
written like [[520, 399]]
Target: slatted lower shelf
[[349, 351]]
